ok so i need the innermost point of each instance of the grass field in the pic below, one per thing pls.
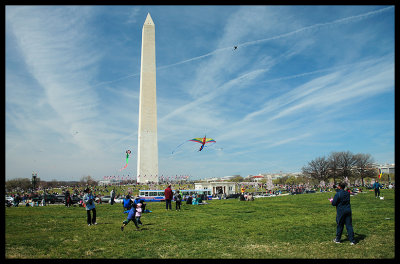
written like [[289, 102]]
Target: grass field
[[293, 226]]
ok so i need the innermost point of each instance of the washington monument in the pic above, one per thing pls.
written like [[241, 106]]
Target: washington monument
[[147, 157]]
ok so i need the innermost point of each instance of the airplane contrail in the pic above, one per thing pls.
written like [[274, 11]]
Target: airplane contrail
[[338, 21], [249, 43]]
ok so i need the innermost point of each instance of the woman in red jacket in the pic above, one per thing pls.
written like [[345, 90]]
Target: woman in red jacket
[[168, 197]]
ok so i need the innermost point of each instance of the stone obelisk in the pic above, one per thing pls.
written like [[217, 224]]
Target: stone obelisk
[[147, 158]]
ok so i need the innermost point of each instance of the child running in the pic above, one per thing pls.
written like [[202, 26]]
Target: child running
[[138, 213], [131, 217]]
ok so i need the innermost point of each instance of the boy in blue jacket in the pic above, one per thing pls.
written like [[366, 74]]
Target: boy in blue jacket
[[131, 217], [343, 214]]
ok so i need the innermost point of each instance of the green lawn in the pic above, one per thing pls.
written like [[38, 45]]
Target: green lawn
[[293, 226]]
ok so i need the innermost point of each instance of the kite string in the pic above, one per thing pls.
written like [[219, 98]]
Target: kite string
[[179, 146], [315, 26]]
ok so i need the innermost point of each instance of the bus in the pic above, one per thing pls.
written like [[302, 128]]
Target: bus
[[158, 195]]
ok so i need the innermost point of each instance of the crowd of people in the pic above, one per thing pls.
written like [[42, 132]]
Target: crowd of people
[[74, 194], [135, 207]]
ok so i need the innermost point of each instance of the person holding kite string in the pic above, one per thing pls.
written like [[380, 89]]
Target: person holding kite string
[[376, 187], [343, 214], [88, 199]]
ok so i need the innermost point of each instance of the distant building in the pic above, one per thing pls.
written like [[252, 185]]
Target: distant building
[[211, 179], [108, 182], [258, 178], [227, 178], [217, 187], [262, 176], [387, 168]]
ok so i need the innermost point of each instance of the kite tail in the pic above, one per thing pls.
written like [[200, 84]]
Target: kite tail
[[126, 165]]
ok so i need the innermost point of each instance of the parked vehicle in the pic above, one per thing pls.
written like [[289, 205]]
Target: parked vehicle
[[9, 201], [59, 198], [49, 198], [37, 199], [75, 199], [119, 200], [106, 199]]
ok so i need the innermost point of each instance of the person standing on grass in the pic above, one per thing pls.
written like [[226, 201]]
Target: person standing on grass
[[138, 214], [168, 197], [178, 200], [88, 199], [376, 187], [67, 199], [343, 214], [112, 194]]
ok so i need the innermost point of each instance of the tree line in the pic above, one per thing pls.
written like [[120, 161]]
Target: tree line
[[25, 184], [341, 166]]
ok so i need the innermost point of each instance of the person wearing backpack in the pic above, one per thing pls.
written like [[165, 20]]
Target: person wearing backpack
[[178, 200], [127, 203]]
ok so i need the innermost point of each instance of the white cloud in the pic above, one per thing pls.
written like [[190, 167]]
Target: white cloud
[[57, 52]]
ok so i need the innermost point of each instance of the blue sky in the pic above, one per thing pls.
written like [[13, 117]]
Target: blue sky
[[304, 81]]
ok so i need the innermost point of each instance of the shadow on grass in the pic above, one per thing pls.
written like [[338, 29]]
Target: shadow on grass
[[106, 223], [357, 237]]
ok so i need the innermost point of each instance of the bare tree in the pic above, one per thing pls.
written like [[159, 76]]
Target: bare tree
[[346, 164], [87, 180], [364, 166], [19, 183], [317, 169]]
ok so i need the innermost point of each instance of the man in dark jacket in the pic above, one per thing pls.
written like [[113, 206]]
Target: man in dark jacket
[[343, 214], [376, 187], [168, 197], [68, 201]]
